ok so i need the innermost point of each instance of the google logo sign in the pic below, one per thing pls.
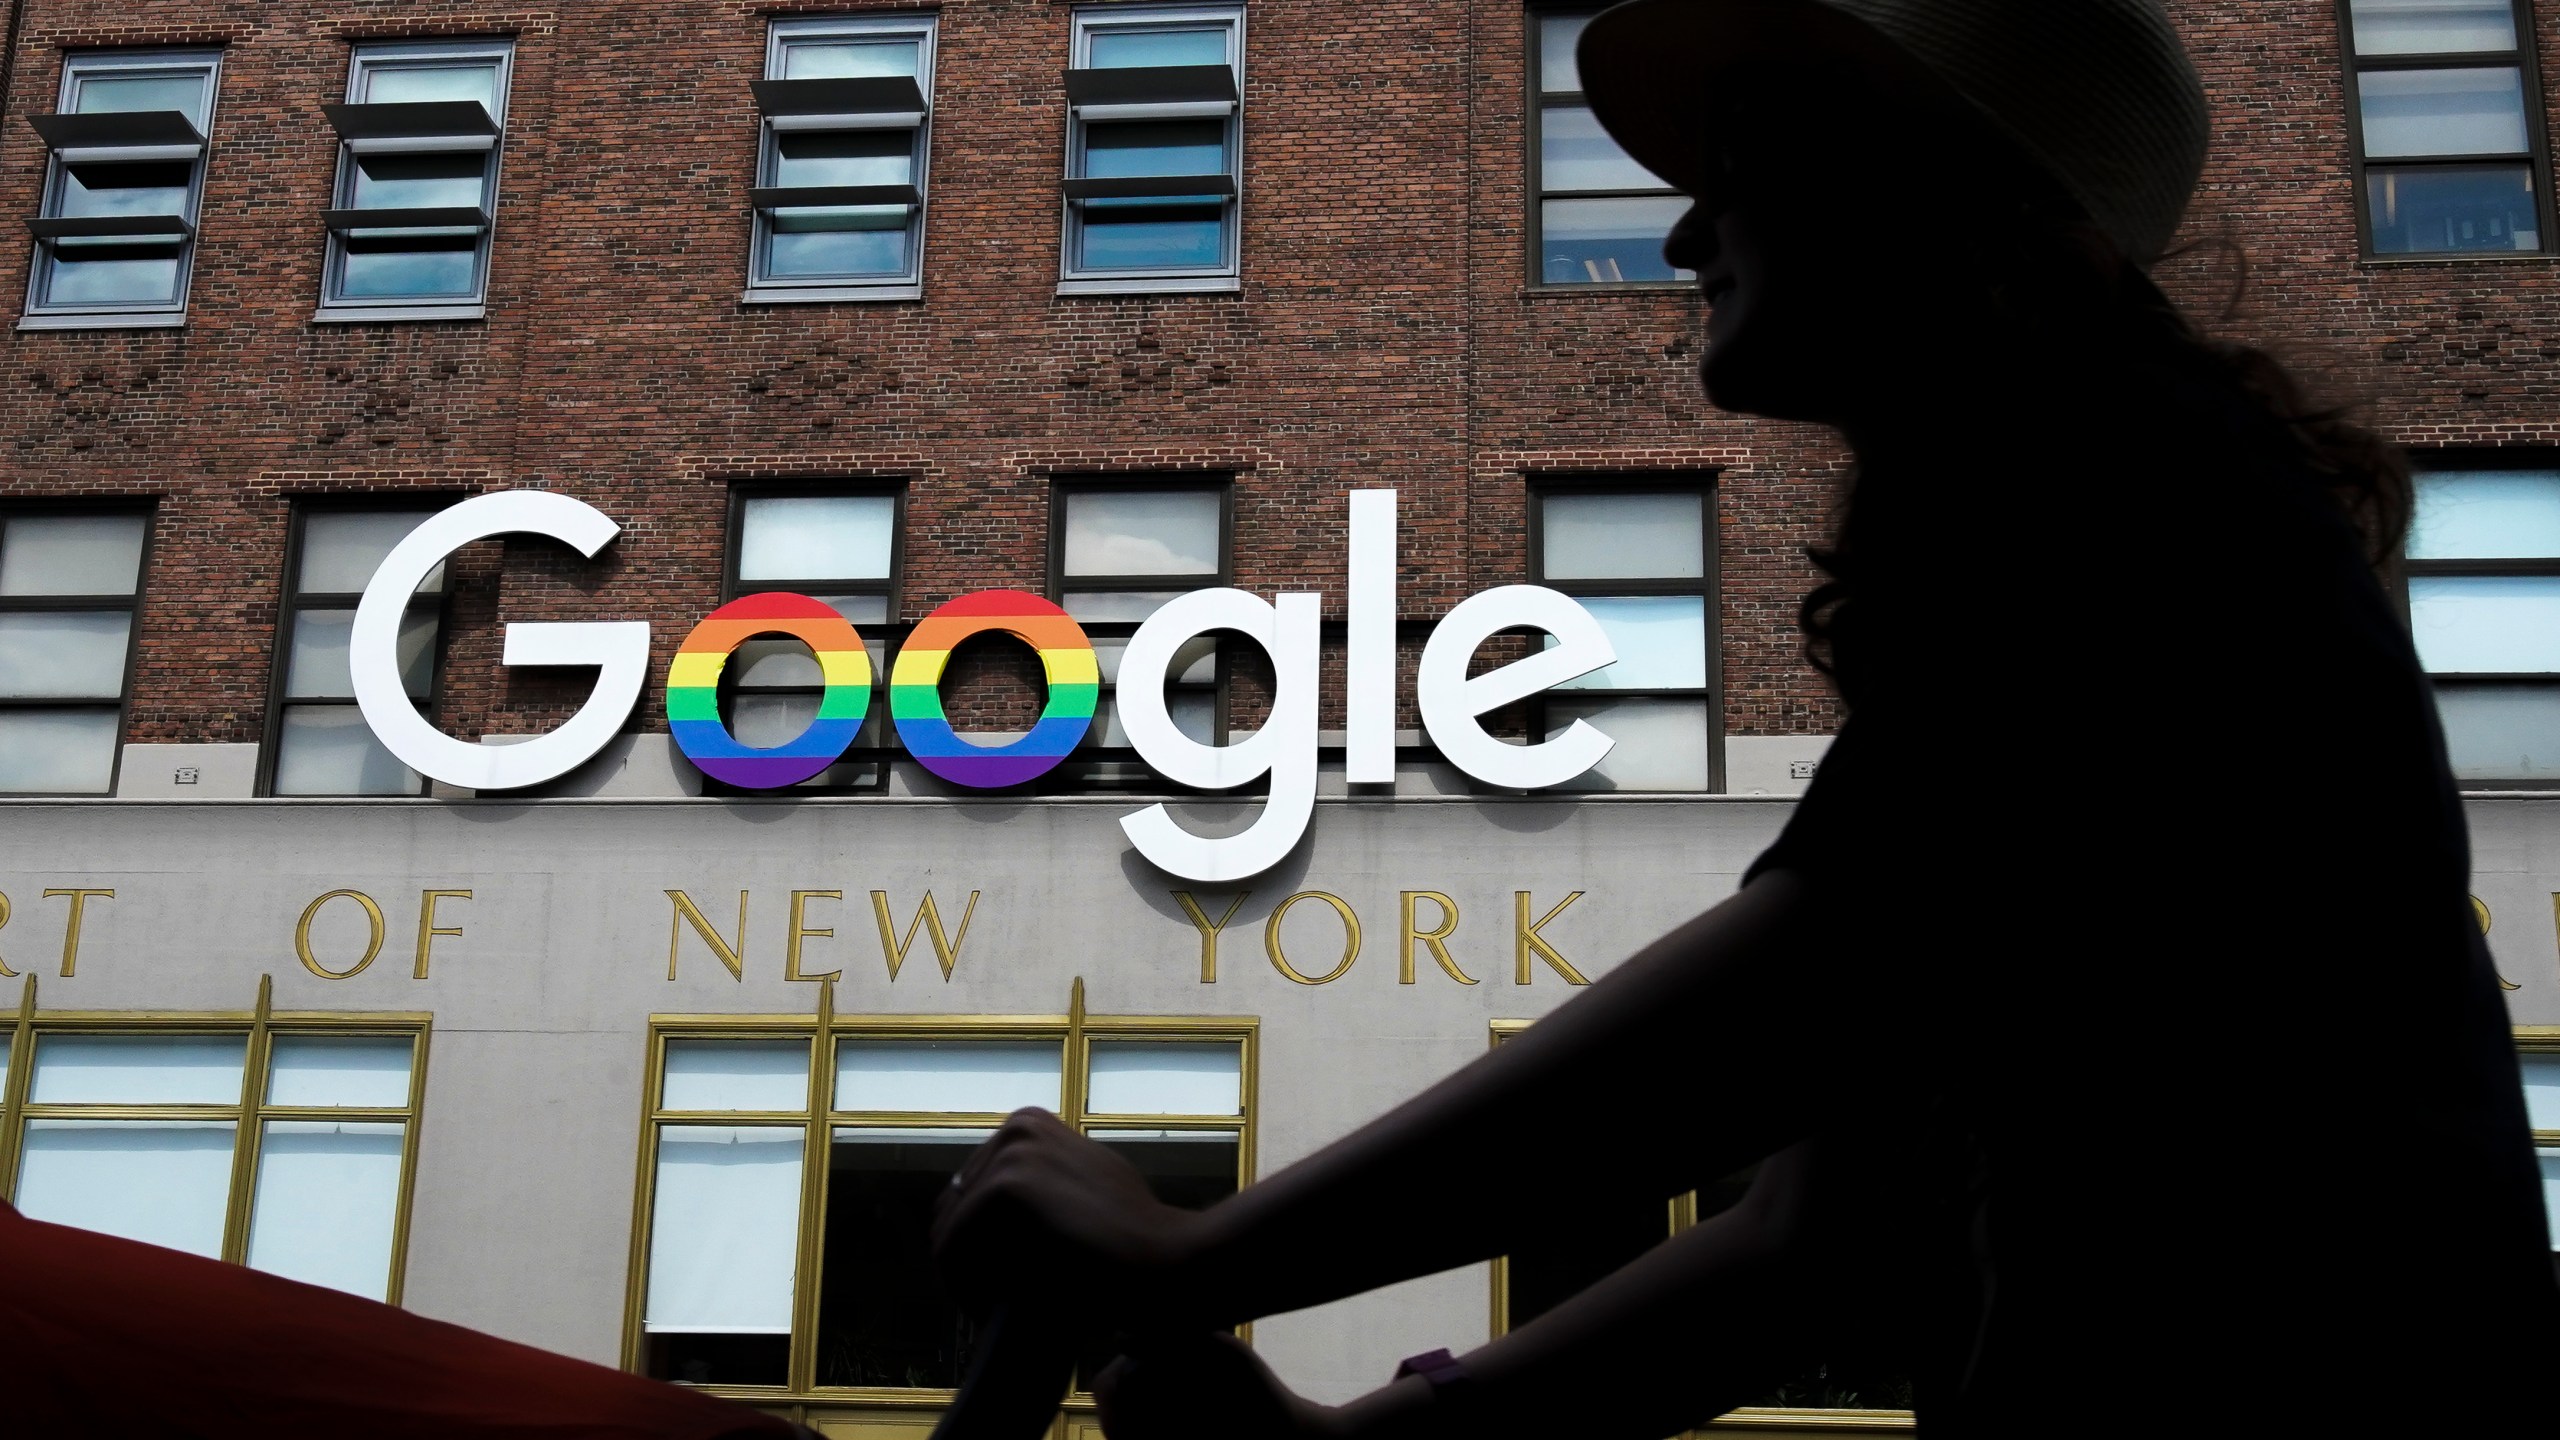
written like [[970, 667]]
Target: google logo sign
[[1287, 627]]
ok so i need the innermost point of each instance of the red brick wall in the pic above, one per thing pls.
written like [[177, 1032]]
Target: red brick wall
[[1385, 334]]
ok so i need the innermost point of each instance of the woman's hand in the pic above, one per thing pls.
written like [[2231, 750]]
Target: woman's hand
[[1041, 1210], [1183, 1387]]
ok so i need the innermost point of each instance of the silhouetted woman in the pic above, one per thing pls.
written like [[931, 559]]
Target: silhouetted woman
[[2109, 1022]]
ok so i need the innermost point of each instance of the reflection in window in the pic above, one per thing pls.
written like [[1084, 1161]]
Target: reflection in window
[[124, 176], [319, 743], [2484, 610], [840, 195], [1124, 549], [1600, 217], [2447, 146], [70, 583], [1637, 559], [895, 1113], [417, 190], [1154, 122]]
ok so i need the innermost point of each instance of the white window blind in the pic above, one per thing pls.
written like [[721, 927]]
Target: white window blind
[[968, 1077], [1147, 1078], [725, 1229], [162, 1182], [328, 1194]]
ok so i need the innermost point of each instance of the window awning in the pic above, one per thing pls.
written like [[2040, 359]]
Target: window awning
[[805, 197], [1153, 92], [422, 220], [868, 102], [120, 135], [421, 126], [135, 229], [1130, 187]]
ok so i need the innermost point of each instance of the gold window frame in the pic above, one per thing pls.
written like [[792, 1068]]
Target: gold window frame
[[258, 1027], [887, 1413], [1681, 1213]]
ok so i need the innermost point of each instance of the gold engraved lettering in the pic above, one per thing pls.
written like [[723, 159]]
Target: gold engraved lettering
[[1350, 938], [1528, 941], [427, 928], [2480, 912], [1199, 918], [8, 974], [791, 949], [731, 955], [302, 935], [945, 951], [1436, 939], [71, 929]]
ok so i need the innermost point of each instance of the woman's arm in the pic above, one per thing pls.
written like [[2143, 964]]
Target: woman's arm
[[1714, 1046]]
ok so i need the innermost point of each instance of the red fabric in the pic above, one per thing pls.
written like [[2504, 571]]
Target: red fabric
[[112, 1339]]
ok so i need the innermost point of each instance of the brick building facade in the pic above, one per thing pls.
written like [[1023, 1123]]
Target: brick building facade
[[1390, 319]]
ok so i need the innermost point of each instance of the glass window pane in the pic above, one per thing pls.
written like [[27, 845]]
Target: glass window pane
[[2549, 1160], [773, 663], [862, 610], [57, 752], [162, 1182], [1624, 537], [1145, 1077], [1661, 642], [1155, 147], [883, 1317], [1574, 153], [1137, 235], [1594, 242], [405, 182], [369, 1071], [63, 654], [110, 92], [427, 269], [849, 59], [2541, 1090], [1142, 532], [1195, 663], [150, 189], [851, 241], [138, 1069], [2432, 27], [1194, 713], [317, 668], [1662, 744], [1114, 607], [737, 1075], [2478, 111], [1116, 48], [329, 750], [342, 548], [807, 537], [416, 84], [768, 720], [4, 1064], [952, 1077], [844, 157], [2501, 732], [1557, 35], [2486, 624], [328, 1194], [117, 275], [723, 1237], [2420, 210], [2486, 514], [71, 554]]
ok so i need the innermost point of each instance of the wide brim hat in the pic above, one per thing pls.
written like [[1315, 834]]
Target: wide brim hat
[[2100, 94]]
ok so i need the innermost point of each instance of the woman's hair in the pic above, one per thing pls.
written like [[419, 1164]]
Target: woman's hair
[[2072, 304]]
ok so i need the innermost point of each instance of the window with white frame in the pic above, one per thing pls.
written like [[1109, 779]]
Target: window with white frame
[[417, 188], [836, 546], [1124, 548], [70, 590], [115, 235], [2449, 137], [840, 175], [1155, 134], [1596, 217], [860, 1126], [283, 1143], [2484, 608], [1639, 557], [317, 740]]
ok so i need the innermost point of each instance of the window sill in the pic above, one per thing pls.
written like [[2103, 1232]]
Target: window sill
[[2475, 257], [106, 320], [367, 314], [1154, 285], [1627, 287], [829, 294]]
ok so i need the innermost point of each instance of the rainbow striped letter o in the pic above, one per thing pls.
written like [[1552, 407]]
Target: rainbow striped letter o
[[1066, 656], [693, 690]]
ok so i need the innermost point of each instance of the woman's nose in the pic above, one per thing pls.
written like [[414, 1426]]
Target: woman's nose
[[1692, 241]]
